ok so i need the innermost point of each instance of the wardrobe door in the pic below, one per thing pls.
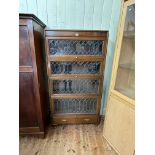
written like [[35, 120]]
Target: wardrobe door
[[27, 99], [27, 110]]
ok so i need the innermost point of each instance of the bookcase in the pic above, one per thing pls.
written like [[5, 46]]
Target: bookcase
[[75, 66]]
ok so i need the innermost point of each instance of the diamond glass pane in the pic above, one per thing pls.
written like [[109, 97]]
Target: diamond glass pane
[[75, 106], [75, 67], [75, 86], [75, 47]]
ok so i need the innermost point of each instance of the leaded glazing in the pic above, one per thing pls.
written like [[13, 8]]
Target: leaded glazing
[[75, 86], [75, 47], [75, 105], [75, 67]]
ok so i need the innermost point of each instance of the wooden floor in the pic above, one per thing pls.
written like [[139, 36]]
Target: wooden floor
[[68, 140]]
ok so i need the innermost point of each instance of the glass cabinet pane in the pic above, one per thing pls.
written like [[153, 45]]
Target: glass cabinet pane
[[75, 67], [125, 79], [75, 86], [75, 47], [75, 106]]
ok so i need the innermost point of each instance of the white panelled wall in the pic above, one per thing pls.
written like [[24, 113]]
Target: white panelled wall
[[71, 14], [80, 14]]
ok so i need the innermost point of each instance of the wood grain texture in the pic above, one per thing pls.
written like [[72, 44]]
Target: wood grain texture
[[27, 109], [75, 76], [75, 119], [25, 57], [68, 140], [75, 58], [32, 103], [119, 126], [73, 96]]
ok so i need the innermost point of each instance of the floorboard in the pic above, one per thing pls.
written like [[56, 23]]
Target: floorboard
[[68, 140]]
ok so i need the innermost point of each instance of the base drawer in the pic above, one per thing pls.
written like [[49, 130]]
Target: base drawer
[[75, 119]]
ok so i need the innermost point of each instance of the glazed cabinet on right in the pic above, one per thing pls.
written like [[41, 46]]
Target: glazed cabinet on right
[[119, 125]]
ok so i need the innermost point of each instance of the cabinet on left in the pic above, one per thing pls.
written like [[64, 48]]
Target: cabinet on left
[[33, 99]]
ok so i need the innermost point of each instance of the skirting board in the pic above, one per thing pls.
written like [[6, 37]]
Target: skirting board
[[38, 134]]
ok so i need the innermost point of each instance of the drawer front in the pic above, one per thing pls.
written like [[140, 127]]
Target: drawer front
[[77, 86], [75, 47], [75, 106], [75, 119], [74, 67]]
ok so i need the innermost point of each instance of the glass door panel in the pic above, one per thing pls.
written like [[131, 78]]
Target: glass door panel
[[74, 67], [75, 47], [76, 106], [125, 78], [75, 86]]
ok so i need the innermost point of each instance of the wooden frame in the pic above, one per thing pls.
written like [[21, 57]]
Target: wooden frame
[[117, 53], [119, 118], [75, 35]]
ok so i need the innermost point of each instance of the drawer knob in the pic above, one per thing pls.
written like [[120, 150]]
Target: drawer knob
[[76, 34], [76, 57], [64, 120], [76, 76], [86, 119]]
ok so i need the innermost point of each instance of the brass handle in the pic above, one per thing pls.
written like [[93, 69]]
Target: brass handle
[[64, 120], [76, 34], [86, 119], [76, 57]]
